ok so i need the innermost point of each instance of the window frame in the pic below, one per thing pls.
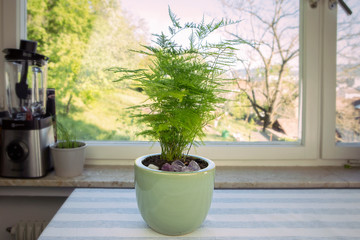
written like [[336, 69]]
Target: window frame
[[331, 150], [311, 150]]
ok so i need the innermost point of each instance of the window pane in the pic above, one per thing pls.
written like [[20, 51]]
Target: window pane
[[83, 38], [348, 75], [266, 105]]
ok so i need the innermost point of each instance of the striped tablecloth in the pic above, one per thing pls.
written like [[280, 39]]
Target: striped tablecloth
[[109, 214]]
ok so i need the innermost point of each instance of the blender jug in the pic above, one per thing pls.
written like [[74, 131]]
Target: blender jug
[[27, 132], [25, 77]]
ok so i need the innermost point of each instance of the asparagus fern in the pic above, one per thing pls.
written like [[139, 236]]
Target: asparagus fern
[[183, 85]]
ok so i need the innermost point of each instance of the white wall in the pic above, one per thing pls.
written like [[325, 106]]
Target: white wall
[[16, 208]]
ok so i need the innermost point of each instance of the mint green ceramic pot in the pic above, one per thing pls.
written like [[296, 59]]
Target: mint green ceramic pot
[[174, 203]]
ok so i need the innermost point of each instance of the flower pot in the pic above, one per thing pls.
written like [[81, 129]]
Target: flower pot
[[68, 162], [174, 203]]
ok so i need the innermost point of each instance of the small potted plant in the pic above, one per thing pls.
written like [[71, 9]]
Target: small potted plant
[[183, 85], [67, 153]]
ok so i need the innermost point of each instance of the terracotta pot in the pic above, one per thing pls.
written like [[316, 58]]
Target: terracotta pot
[[68, 162], [174, 203]]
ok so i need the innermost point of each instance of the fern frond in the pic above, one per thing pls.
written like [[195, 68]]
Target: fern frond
[[182, 84], [174, 19]]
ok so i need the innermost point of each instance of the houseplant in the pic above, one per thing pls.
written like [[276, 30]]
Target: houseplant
[[67, 153], [183, 85]]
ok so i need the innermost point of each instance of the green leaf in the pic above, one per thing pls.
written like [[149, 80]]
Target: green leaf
[[182, 85]]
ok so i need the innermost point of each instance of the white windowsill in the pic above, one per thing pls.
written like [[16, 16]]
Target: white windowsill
[[226, 177]]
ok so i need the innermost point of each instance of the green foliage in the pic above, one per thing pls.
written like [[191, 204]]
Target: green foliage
[[112, 35], [182, 83], [62, 29], [82, 38], [66, 139], [79, 38]]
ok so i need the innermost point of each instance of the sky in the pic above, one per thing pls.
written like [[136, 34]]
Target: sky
[[156, 11], [156, 18]]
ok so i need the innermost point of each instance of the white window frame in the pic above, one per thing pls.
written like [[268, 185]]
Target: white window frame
[[308, 153], [331, 150]]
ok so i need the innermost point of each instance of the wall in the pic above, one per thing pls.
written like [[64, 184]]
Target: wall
[[16, 208], [29, 203]]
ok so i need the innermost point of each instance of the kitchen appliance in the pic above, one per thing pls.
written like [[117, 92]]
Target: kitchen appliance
[[27, 129]]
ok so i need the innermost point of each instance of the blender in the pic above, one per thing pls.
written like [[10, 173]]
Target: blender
[[27, 129]]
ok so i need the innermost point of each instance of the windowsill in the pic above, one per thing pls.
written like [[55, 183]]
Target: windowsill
[[226, 177]]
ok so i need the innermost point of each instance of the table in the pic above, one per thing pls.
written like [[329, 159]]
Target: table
[[306, 214]]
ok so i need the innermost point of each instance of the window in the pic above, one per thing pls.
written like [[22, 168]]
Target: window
[[312, 100], [84, 38], [341, 83]]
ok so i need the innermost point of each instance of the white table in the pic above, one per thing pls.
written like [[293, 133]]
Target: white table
[[318, 214]]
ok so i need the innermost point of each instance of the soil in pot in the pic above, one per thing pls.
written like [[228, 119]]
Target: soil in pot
[[157, 161]]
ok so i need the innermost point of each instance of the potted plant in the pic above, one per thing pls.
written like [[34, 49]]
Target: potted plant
[[67, 153], [183, 85]]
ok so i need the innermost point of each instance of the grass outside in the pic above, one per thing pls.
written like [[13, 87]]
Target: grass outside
[[107, 118]]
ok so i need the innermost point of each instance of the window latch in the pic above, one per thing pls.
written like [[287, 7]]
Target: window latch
[[333, 3], [313, 3]]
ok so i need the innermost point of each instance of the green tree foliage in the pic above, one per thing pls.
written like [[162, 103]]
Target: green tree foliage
[[182, 85], [62, 29], [81, 38], [112, 36]]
